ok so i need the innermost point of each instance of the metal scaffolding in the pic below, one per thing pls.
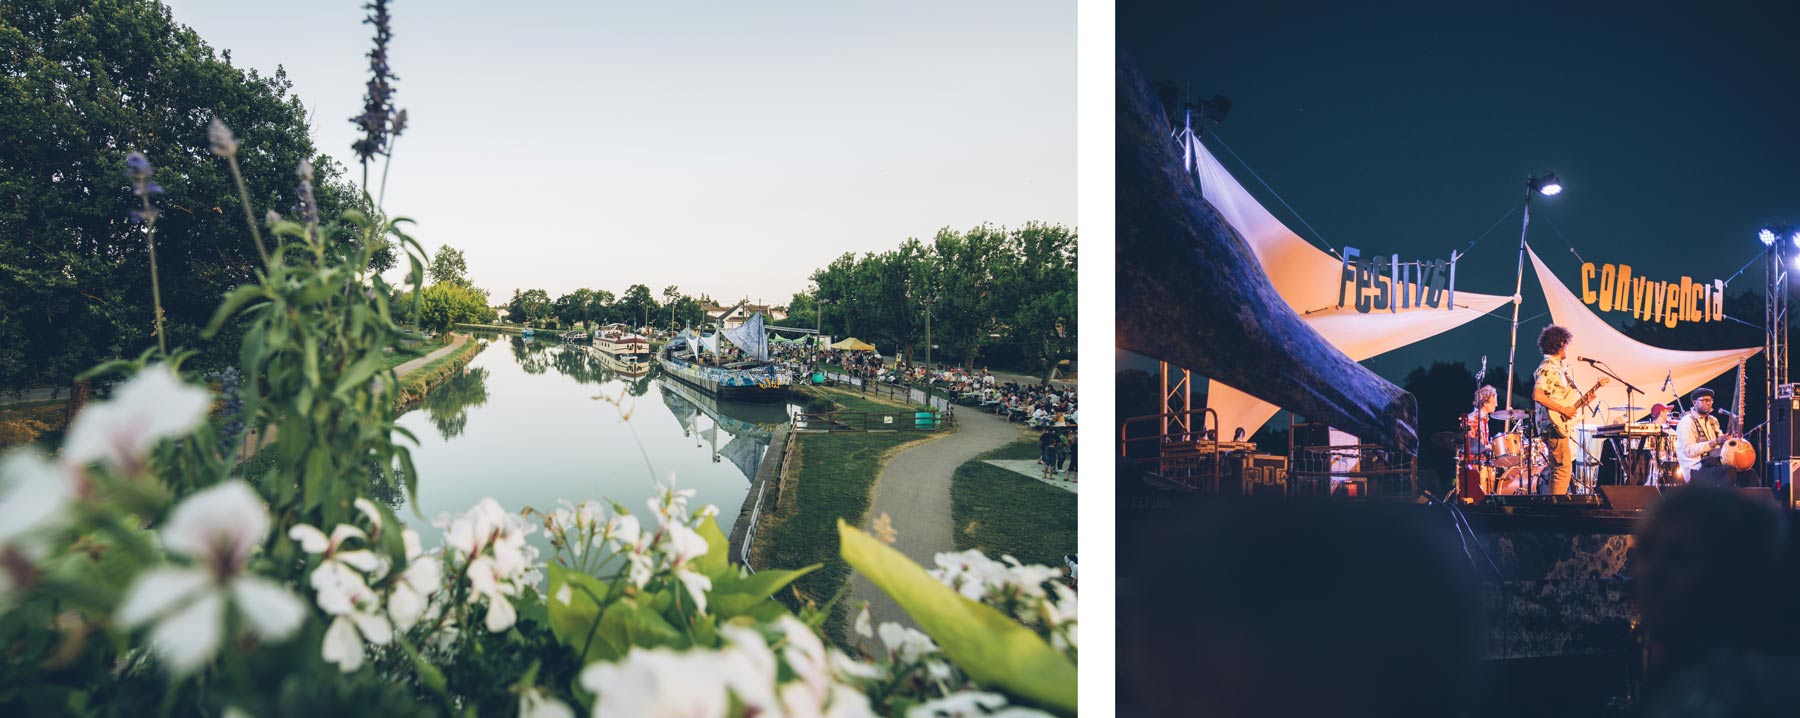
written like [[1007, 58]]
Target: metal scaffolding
[[1775, 442], [1177, 401]]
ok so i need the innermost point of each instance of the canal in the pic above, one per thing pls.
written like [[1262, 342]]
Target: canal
[[532, 421]]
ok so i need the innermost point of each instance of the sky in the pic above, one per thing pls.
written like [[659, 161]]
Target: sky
[[724, 147], [1411, 129]]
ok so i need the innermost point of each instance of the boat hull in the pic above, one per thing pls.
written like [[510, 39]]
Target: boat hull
[[759, 385]]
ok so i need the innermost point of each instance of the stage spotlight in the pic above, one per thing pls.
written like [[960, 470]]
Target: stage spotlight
[[1767, 236], [1547, 185], [1797, 239]]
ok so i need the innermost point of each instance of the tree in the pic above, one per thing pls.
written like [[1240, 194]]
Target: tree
[[637, 305], [671, 297], [600, 306], [84, 84], [449, 266], [529, 306], [446, 304]]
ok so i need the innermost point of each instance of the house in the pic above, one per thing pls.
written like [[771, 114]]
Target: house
[[731, 317]]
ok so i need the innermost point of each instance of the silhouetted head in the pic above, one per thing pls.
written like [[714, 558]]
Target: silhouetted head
[[1702, 557]]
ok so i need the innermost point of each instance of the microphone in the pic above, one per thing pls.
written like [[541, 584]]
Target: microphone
[[1668, 379], [1590, 361], [1480, 375]]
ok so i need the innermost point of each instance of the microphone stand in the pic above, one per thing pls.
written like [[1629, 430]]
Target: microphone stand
[[1628, 465]]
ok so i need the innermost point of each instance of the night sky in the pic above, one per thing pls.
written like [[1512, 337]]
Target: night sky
[[1412, 129]]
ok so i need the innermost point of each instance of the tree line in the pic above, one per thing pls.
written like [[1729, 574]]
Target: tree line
[[994, 295], [637, 307]]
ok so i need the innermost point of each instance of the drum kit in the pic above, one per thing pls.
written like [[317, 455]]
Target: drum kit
[[1504, 463], [1513, 461]]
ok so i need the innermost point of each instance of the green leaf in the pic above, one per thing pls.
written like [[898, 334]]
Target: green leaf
[[717, 560], [571, 622], [993, 649], [359, 374]]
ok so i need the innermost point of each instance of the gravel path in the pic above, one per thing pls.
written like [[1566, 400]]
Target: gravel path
[[914, 491]]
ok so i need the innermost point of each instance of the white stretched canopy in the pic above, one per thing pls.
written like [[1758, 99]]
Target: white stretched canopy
[[1662, 374], [1308, 280], [751, 338]]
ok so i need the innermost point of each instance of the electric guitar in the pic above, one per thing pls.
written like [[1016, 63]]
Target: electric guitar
[[1554, 424]]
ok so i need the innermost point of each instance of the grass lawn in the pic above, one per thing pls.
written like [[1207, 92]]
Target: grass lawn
[[829, 476], [999, 512]]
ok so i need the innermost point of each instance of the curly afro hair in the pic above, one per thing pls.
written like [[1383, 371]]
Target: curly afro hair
[[1553, 339]]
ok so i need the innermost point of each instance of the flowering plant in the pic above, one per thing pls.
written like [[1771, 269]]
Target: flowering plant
[[148, 565]]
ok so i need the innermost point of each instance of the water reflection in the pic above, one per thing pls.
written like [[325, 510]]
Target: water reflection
[[748, 428], [449, 403], [523, 424]]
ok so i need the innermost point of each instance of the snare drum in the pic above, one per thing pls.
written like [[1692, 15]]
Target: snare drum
[[1508, 449]]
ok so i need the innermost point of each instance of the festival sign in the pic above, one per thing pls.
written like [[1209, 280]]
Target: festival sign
[[1613, 288], [1383, 282]]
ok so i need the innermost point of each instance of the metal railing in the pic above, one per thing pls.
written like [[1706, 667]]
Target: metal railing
[[750, 533], [923, 420], [896, 392]]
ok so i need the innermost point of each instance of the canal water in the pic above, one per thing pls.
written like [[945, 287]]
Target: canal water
[[531, 421]]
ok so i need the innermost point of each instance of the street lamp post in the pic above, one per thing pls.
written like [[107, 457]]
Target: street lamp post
[[1548, 185]]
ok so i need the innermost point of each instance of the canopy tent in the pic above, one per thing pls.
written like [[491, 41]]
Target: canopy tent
[[750, 337], [1662, 374], [779, 339], [710, 343], [1308, 279], [855, 345]]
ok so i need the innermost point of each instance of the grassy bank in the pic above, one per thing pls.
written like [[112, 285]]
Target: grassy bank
[[414, 386], [998, 512], [829, 476]]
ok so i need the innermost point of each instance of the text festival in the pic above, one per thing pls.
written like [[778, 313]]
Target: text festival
[[1668, 303], [1384, 283]]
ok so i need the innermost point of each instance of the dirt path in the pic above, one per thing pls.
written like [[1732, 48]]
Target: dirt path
[[914, 491]]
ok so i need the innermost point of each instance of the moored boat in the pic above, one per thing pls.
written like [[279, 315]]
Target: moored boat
[[754, 379]]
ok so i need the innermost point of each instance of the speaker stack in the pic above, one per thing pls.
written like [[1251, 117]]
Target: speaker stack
[[1784, 436]]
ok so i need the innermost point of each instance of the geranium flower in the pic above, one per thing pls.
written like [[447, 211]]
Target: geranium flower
[[218, 528], [152, 406], [659, 683], [415, 585], [685, 545], [363, 622], [490, 544], [535, 703], [973, 704], [340, 573], [34, 499]]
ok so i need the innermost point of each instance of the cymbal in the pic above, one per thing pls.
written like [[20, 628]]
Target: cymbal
[[1447, 440], [1509, 414], [1626, 408]]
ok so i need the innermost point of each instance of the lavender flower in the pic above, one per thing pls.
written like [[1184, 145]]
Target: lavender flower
[[378, 103], [223, 143], [137, 167], [230, 381], [308, 208]]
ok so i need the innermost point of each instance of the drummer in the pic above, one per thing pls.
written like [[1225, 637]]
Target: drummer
[[1475, 424]]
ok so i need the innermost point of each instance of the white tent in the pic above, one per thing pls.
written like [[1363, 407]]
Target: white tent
[[1662, 374], [1308, 278]]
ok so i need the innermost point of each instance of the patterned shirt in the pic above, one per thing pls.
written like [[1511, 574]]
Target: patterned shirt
[[1553, 378]]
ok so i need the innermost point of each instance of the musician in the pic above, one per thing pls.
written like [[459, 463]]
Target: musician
[[1554, 391], [1475, 424], [1697, 441]]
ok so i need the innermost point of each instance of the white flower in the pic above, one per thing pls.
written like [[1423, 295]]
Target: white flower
[[685, 545], [535, 703], [218, 528], [339, 576], [423, 576], [34, 499], [152, 406], [862, 623], [344, 640], [490, 545], [658, 683], [973, 704], [908, 645]]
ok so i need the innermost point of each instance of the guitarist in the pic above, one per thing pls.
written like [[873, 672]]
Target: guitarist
[[1557, 401]]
